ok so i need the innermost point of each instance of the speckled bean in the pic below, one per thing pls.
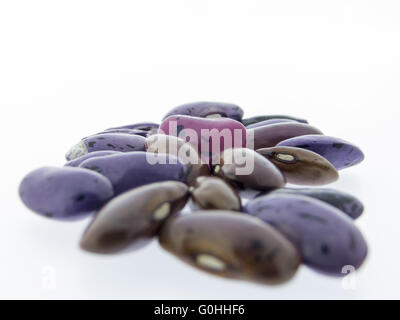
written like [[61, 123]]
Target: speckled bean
[[342, 154], [108, 141], [64, 193], [207, 109], [326, 238]]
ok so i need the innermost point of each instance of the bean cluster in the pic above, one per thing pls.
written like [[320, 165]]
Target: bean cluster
[[242, 221]]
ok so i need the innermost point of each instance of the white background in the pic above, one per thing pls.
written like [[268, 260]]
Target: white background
[[72, 68]]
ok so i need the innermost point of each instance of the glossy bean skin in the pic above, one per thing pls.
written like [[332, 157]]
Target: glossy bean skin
[[326, 238], [232, 245], [145, 126], [64, 193], [132, 219], [214, 193], [165, 144], [271, 135], [343, 201], [203, 133], [253, 120], [107, 141], [77, 161], [300, 166], [126, 131], [134, 169], [246, 168], [205, 109], [342, 154], [268, 122]]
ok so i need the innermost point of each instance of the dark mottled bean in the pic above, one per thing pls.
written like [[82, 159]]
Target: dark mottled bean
[[206, 109], [133, 218], [231, 245], [130, 170], [246, 168], [300, 166], [215, 193], [64, 193], [326, 238]]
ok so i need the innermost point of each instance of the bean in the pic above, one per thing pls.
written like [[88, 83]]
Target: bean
[[206, 109], [270, 135], [107, 141], [133, 169], [257, 119], [247, 168], [232, 245], [164, 144], [64, 193], [343, 201], [300, 166], [214, 193], [342, 154], [326, 238], [133, 218], [77, 161], [208, 136]]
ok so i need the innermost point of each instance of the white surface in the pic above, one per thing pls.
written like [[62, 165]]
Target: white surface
[[72, 68]]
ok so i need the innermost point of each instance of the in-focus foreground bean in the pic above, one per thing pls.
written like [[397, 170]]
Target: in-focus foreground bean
[[301, 166], [231, 245], [133, 218], [326, 238], [64, 193]]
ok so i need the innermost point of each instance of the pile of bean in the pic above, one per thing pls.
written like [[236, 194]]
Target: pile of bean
[[134, 182]]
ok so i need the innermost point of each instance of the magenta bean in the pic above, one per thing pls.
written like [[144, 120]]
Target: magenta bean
[[203, 134]]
